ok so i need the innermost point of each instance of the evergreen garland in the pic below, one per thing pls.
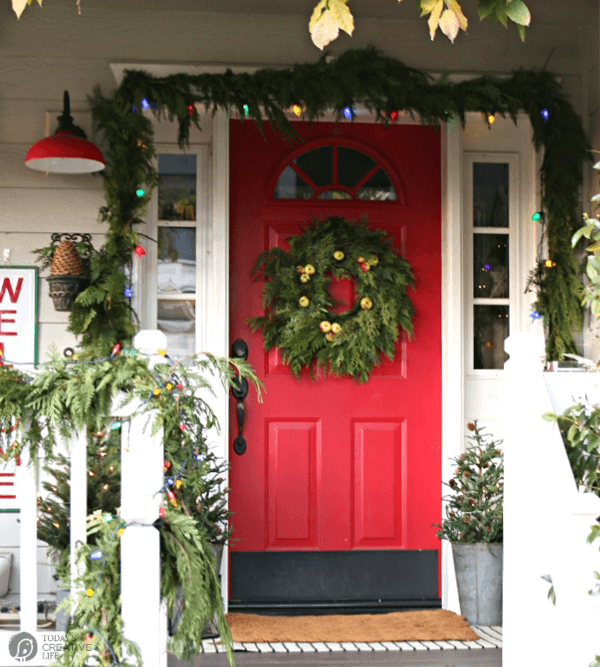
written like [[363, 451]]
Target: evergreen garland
[[362, 76], [298, 319], [67, 396]]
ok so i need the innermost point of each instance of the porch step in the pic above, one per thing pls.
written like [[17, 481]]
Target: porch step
[[489, 637]]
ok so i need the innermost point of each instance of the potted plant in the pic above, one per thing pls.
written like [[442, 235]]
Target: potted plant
[[474, 527]]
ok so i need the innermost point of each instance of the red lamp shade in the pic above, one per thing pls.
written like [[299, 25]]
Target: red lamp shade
[[64, 153]]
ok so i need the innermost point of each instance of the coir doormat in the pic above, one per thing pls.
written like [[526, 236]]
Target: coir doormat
[[435, 625]]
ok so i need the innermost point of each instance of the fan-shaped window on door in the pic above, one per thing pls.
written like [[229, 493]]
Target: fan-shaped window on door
[[335, 172]]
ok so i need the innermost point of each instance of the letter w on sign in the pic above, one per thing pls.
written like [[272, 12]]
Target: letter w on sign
[[7, 288]]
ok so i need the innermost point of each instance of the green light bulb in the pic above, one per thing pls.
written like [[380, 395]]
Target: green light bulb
[[246, 110], [536, 217], [139, 192]]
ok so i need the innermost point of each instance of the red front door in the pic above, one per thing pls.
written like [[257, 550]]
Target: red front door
[[337, 466]]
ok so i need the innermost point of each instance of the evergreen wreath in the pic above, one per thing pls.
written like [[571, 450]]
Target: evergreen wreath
[[298, 318]]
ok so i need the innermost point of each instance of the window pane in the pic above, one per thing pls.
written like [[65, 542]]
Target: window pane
[[292, 186], [378, 188], [490, 194], [178, 321], [317, 165], [491, 329], [334, 194], [352, 166], [490, 266], [176, 260], [177, 191]]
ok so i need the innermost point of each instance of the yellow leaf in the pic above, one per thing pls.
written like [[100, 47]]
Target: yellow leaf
[[427, 6], [342, 15], [19, 7], [449, 25], [316, 15], [325, 30], [434, 19], [454, 7]]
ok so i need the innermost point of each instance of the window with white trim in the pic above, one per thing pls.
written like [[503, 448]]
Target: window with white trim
[[492, 200], [178, 209]]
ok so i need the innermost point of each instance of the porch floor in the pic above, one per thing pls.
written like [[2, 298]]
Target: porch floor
[[486, 652]]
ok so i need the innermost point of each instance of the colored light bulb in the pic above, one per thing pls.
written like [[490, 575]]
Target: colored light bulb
[[139, 251], [115, 426], [246, 110], [394, 116], [145, 104], [297, 109], [545, 114], [347, 111], [534, 315], [170, 482], [96, 555], [191, 109], [128, 292], [107, 518], [161, 511], [89, 592], [116, 349], [140, 192], [537, 216]]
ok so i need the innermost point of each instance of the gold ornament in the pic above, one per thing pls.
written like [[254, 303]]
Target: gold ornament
[[374, 261], [336, 328], [366, 303], [339, 255], [330, 335], [304, 278], [303, 301], [310, 269], [325, 326]]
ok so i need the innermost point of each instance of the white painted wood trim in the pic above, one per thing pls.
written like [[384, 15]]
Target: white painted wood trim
[[452, 329], [214, 304]]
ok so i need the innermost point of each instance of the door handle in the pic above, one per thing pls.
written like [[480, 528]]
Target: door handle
[[239, 390]]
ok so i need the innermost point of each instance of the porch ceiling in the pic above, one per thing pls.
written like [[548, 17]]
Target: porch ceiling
[[576, 12]]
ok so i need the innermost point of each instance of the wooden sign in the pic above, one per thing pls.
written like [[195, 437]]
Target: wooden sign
[[18, 314]]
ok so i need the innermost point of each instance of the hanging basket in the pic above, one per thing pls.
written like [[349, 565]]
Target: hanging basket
[[64, 289], [67, 271]]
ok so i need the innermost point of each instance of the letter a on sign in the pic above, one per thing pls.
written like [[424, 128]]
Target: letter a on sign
[[18, 314]]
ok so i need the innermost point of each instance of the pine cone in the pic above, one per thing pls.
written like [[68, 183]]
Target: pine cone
[[66, 260]]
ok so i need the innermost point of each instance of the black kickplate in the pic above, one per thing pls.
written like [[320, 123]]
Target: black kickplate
[[294, 608], [330, 580]]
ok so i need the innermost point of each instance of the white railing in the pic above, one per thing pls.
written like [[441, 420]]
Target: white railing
[[142, 456], [546, 522]]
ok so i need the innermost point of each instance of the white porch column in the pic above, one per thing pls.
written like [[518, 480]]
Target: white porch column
[[533, 518], [142, 458]]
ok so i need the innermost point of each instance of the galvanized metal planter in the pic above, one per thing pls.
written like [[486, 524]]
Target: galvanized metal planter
[[478, 570]]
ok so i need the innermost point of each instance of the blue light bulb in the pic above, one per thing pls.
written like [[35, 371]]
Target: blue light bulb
[[145, 104], [107, 518], [170, 482], [545, 114], [128, 292], [96, 555], [347, 111], [535, 315]]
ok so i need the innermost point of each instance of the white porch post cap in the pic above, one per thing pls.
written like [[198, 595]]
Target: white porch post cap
[[523, 346], [149, 341]]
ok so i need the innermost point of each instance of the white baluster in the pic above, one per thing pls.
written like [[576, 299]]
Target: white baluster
[[78, 504], [28, 543]]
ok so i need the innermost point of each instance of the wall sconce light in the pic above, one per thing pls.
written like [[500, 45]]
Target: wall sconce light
[[68, 151]]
